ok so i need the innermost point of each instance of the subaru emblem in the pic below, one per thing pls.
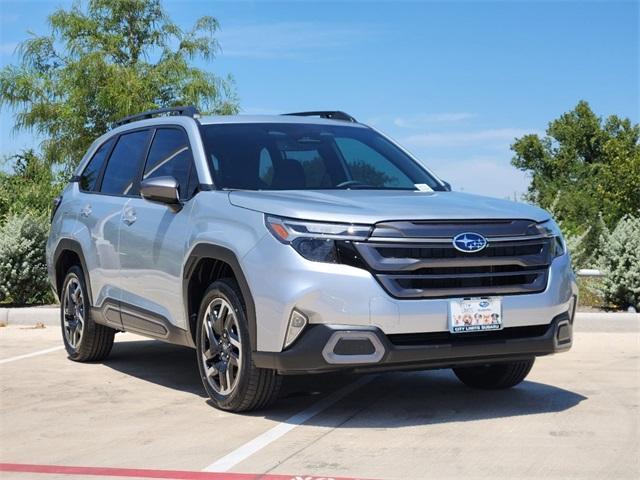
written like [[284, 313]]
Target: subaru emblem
[[469, 242]]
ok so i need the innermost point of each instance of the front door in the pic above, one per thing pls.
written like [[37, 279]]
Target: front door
[[153, 242]]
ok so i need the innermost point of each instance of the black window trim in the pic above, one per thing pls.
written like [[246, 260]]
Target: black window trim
[[117, 136], [138, 177]]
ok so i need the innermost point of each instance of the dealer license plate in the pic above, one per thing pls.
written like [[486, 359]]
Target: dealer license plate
[[475, 315]]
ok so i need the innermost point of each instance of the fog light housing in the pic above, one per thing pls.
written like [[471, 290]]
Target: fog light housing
[[297, 322]]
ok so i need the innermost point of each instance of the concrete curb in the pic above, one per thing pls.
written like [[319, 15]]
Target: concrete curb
[[47, 314], [50, 315], [612, 315]]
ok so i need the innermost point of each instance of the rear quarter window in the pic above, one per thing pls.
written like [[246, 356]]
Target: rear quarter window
[[91, 173]]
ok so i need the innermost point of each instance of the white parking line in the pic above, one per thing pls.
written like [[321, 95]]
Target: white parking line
[[230, 460], [33, 354]]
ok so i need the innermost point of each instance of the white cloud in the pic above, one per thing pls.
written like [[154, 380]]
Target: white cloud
[[491, 137], [291, 40], [9, 17], [7, 48], [422, 119]]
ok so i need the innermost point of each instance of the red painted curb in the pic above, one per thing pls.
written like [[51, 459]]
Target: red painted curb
[[147, 473]]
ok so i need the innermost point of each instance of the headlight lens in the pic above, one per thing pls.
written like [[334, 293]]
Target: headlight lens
[[314, 240], [551, 228]]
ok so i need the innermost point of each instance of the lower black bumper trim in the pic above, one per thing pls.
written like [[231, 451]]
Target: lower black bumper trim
[[305, 356]]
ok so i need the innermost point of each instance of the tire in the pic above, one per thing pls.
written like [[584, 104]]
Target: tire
[[496, 376], [222, 323], [85, 340]]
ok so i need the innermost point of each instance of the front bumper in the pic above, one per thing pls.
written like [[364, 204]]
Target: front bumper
[[320, 349], [281, 280]]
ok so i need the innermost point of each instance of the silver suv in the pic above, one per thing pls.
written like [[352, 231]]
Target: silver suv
[[298, 244]]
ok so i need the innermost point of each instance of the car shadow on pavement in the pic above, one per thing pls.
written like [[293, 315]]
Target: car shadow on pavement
[[388, 400], [164, 364]]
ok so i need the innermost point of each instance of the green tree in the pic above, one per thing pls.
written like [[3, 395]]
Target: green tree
[[29, 186], [585, 168], [104, 61]]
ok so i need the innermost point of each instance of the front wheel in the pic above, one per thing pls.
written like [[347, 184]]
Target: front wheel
[[224, 353], [495, 376]]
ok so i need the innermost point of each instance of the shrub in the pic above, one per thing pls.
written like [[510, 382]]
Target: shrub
[[589, 294], [23, 271], [620, 262]]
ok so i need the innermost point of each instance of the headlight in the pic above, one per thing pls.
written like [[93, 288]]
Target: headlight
[[551, 228], [314, 240]]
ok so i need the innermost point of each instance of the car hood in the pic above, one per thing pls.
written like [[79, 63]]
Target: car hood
[[369, 207]]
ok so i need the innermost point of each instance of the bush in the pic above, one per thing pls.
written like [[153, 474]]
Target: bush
[[589, 294], [23, 271], [620, 262]]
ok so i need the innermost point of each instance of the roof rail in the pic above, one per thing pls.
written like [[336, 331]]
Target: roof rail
[[331, 115], [187, 111]]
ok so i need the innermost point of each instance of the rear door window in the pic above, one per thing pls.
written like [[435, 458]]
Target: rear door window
[[170, 156], [91, 173], [124, 163]]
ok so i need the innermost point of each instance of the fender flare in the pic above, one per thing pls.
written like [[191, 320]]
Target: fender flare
[[216, 252], [68, 244]]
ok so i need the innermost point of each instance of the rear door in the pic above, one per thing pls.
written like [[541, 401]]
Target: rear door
[[106, 186], [153, 241]]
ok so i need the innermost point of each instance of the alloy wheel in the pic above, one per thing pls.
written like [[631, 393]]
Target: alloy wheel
[[221, 346], [73, 312]]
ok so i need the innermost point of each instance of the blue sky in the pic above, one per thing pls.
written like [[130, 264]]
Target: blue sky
[[455, 82]]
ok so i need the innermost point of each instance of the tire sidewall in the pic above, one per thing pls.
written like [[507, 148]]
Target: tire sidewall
[[222, 289], [75, 272]]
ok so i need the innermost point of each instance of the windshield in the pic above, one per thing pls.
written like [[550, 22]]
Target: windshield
[[293, 156]]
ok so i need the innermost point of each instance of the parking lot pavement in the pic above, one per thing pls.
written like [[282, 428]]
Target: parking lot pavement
[[577, 416]]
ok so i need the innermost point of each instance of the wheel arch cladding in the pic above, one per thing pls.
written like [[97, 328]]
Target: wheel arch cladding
[[205, 264], [68, 253]]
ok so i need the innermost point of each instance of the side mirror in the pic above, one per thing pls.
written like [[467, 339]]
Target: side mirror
[[447, 186], [161, 189]]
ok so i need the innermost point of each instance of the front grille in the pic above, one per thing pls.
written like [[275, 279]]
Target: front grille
[[410, 264]]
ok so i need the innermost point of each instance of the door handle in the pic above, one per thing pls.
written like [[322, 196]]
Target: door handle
[[86, 211], [129, 216]]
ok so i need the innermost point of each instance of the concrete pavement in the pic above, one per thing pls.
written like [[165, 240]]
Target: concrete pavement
[[577, 415]]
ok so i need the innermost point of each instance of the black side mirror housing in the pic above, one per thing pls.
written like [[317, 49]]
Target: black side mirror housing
[[162, 190]]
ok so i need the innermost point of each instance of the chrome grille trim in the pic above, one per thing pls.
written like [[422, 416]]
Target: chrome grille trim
[[448, 240]]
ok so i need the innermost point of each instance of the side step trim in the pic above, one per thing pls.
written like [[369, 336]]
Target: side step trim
[[129, 318]]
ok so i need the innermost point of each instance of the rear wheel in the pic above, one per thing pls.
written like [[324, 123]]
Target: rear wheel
[[496, 376], [224, 353], [84, 339]]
